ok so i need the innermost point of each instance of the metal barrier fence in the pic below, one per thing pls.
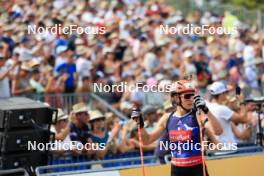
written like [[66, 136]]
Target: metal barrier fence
[[85, 167], [248, 149], [66, 101], [128, 160], [251, 17]]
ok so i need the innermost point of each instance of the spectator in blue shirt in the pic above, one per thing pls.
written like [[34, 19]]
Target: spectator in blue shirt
[[100, 136], [69, 68]]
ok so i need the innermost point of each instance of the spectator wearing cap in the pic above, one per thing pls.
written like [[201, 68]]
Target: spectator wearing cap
[[61, 130], [20, 85], [69, 68], [5, 75], [223, 113], [100, 135]]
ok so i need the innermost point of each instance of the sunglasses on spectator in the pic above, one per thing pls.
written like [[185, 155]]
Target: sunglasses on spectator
[[82, 113], [63, 120], [98, 120], [188, 96]]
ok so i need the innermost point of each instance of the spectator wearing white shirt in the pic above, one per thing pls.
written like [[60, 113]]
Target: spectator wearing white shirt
[[4, 78], [223, 113], [249, 51], [12, 60], [61, 130], [83, 63], [61, 55]]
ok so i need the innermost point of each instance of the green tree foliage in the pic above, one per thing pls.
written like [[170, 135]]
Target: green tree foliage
[[251, 4]]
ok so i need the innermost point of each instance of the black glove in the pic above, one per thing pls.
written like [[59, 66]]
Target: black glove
[[199, 103], [137, 116]]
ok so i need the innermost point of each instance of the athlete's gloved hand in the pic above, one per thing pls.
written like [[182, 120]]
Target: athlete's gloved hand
[[136, 115], [199, 103]]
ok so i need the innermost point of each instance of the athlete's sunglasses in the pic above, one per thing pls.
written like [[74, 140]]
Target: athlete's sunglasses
[[188, 96]]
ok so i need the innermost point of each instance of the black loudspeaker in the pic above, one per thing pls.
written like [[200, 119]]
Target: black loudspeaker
[[22, 122], [23, 160], [13, 141], [14, 172], [24, 113]]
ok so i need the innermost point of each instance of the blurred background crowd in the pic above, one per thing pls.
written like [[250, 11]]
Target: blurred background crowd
[[132, 50]]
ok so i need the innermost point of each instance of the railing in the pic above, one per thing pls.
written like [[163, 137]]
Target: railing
[[85, 167], [66, 101], [241, 151], [128, 162]]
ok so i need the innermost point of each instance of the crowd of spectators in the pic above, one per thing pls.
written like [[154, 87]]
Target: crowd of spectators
[[131, 50]]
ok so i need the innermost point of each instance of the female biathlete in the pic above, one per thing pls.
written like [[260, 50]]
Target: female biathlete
[[181, 127]]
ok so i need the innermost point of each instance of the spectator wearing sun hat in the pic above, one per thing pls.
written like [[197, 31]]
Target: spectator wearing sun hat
[[20, 85], [79, 129], [97, 120], [61, 130], [100, 135]]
